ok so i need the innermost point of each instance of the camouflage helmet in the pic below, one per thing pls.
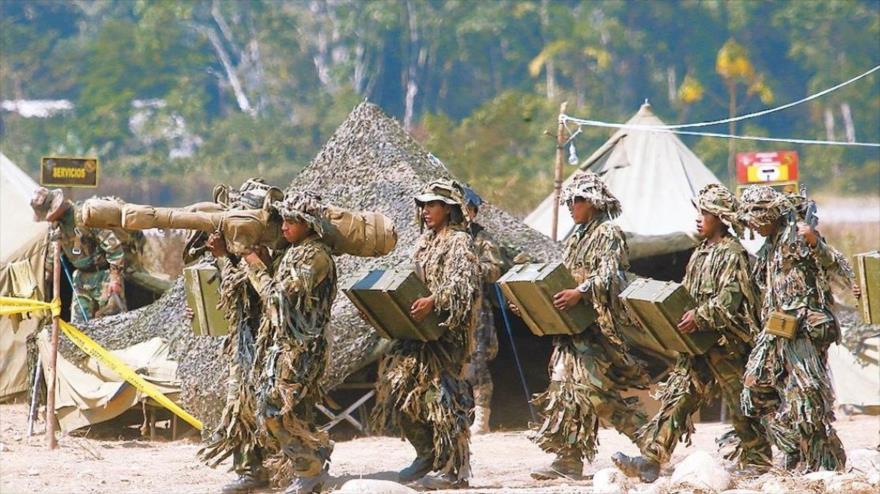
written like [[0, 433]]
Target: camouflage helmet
[[716, 200], [446, 191], [762, 205], [587, 185], [305, 207], [46, 203]]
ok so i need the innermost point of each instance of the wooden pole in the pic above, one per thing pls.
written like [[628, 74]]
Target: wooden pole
[[561, 137], [53, 353]]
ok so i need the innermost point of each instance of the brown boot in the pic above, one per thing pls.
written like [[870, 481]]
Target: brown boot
[[247, 482], [566, 465]]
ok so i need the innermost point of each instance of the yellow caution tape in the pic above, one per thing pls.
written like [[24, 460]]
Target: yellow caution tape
[[10, 305]]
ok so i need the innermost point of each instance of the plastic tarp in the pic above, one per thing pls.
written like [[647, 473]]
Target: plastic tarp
[[655, 176]]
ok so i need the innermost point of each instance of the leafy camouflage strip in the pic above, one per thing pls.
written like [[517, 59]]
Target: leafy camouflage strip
[[421, 385], [236, 434], [486, 335], [787, 380], [762, 205], [717, 200], [588, 185], [291, 354]]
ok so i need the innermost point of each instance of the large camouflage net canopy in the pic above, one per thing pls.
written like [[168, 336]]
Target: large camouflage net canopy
[[370, 163]]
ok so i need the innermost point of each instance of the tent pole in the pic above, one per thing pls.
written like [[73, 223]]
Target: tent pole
[[53, 353], [557, 176]]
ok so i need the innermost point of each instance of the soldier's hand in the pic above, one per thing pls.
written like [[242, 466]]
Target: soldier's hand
[[188, 314], [856, 290], [809, 234], [688, 323], [254, 259], [566, 299], [421, 308], [515, 309], [216, 244]]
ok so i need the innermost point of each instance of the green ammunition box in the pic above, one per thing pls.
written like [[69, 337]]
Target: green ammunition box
[[384, 297], [201, 283], [867, 267], [531, 288], [658, 307]]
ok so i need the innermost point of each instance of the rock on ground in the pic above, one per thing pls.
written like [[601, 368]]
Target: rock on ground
[[700, 470]]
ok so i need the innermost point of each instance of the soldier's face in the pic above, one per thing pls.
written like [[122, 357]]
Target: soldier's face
[[766, 229], [581, 210], [708, 225], [295, 231], [436, 214]]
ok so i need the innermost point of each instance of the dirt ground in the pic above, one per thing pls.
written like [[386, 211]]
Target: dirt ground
[[501, 460]]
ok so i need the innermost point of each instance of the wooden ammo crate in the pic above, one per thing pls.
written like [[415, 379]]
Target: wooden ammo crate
[[202, 286], [867, 267], [385, 298], [531, 287], [658, 307]]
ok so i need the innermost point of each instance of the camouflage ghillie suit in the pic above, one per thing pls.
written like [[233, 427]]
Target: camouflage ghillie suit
[[588, 371], [787, 380], [291, 347], [486, 336], [421, 389], [717, 277]]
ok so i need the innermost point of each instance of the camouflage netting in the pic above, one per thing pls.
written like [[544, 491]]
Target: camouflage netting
[[369, 163]]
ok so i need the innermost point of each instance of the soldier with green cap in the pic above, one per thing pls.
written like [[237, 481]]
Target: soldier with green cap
[[718, 278], [422, 390], [590, 370], [291, 344], [786, 379], [98, 256], [486, 336]]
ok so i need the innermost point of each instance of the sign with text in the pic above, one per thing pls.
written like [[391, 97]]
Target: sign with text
[[69, 172], [766, 167]]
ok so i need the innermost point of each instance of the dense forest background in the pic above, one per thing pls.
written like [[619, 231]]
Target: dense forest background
[[175, 96]]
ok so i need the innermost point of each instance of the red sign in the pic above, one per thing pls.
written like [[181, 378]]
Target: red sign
[[766, 167]]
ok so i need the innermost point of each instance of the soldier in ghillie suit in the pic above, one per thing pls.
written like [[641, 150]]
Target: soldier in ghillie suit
[[589, 370], [291, 346], [718, 278], [486, 336], [786, 379], [422, 390], [98, 256]]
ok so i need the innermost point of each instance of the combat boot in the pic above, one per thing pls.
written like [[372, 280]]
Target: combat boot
[[420, 467], [247, 482], [566, 465], [637, 466], [307, 485], [436, 482], [481, 420]]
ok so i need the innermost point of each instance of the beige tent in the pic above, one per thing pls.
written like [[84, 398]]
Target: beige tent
[[655, 176], [23, 244]]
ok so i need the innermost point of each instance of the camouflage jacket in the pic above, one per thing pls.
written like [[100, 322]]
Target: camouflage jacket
[[597, 256], [718, 278], [300, 294], [448, 263], [491, 261], [89, 249]]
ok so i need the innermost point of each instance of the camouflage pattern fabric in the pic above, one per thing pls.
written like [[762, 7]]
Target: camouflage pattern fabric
[[717, 277], [588, 371], [421, 389], [786, 380], [290, 357], [587, 185], [486, 335]]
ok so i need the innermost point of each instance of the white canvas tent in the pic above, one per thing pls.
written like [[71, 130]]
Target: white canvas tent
[[654, 175], [23, 244]]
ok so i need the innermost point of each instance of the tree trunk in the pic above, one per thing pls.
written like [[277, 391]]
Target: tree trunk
[[829, 124], [731, 145], [415, 56], [671, 85], [240, 97], [848, 122], [549, 66]]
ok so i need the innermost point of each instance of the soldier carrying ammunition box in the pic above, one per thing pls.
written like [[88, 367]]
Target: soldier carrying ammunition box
[[589, 370], [717, 277], [786, 378], [421, 389]]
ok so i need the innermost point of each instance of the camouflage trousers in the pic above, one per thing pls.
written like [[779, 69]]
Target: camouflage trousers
[[787, 382], [693, 381], [587, 376], [92, 296], [485, 350]]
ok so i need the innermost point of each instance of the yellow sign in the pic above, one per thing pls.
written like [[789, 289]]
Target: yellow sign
[[789, 187], [58, 171]]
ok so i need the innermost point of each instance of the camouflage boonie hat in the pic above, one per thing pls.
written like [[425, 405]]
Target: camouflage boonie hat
[[716, 200], [46, 202], [762, 205], [446, 191], [589, 186], [303, 206]]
